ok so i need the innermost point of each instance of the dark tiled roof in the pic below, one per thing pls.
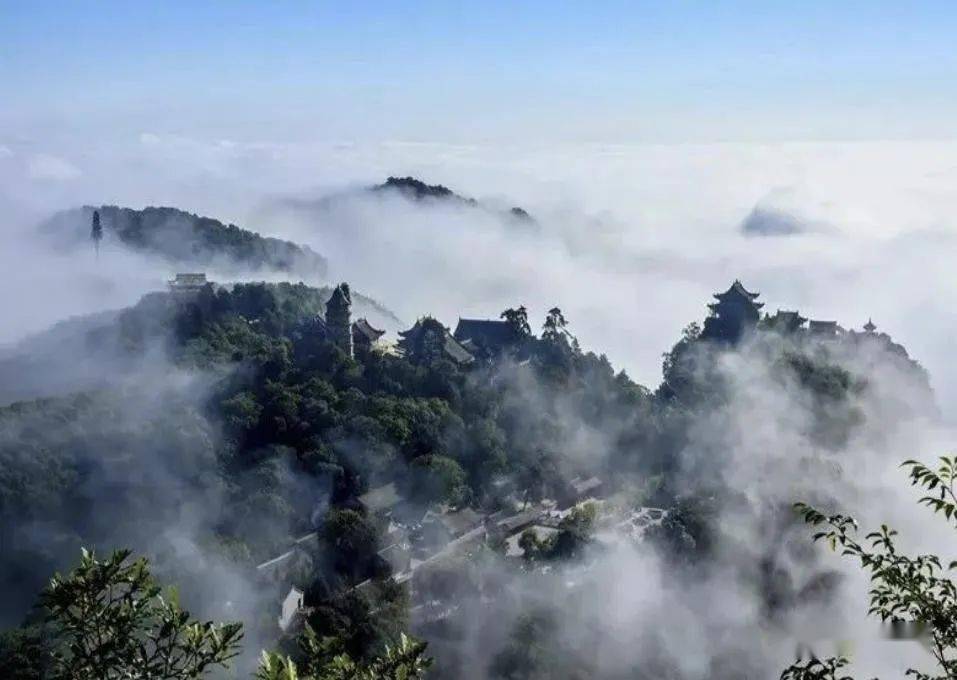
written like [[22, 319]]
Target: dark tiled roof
[[788, 316], [737, 290], [397, 556], [366, 330], [787, 319], [190, 280], [519, 521], [458, 522], [484, 332], [823, 326], [456, 351], [341, 297]]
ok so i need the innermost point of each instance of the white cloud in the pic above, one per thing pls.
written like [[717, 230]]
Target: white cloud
[[633, 241], [53, 168], [634, 238]]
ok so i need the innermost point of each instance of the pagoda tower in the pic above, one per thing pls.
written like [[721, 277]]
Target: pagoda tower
[[869, 327], [735, 312], [339, 318]]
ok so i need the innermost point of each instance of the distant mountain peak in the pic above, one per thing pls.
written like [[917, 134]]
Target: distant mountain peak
[[416, 190]]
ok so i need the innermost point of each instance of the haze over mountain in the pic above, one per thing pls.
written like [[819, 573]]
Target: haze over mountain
[[418, 190], [553, 341], [241, 374], [186, 241], [230, 422], [418, 193]]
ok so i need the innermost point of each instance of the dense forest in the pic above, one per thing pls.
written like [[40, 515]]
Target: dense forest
[[249, 431]]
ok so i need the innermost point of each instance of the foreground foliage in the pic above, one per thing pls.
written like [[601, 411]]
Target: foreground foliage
[[903, 588], [325, 659], [113, 620]]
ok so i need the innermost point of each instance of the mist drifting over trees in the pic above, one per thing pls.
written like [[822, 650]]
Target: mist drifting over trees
[[499, 488]]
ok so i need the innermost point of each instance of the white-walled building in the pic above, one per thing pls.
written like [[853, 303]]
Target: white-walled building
[[292, 604]]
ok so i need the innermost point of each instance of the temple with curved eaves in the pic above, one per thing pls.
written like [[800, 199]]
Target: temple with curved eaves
[[733, 313]]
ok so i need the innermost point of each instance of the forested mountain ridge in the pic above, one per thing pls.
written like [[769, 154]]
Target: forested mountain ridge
[[416, 190], [84, 352], [187, 240], [249, 428]]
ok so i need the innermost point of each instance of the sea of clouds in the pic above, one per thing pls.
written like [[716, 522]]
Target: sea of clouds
[[630, 241]]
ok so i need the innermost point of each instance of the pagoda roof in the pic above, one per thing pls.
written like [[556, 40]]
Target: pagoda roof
[[870, 327], [737, 289], [364, 328], [341, 296], [455, 350], [418, 326], [733, 300], [452, 348]]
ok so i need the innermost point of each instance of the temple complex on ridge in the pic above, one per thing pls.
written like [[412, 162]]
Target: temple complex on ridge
[[734, 314], [737, 312], [187, 283]]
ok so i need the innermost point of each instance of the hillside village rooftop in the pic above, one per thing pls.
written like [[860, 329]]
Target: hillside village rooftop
[[189, 282]]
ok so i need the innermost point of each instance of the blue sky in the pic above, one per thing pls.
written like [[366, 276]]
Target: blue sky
[[441, 71]]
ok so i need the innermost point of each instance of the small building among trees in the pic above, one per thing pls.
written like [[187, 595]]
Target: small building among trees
[[824, 329], [486, 338], [785, 322], [291, 606], [429, 341], [365, 337], [188, 283]]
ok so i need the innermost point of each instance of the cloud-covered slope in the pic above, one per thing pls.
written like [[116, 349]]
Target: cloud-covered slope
[[187, 240]]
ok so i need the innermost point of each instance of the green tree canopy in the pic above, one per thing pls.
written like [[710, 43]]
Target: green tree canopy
[[903, 588], [517, 318], [325, 659], [112, 620]]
